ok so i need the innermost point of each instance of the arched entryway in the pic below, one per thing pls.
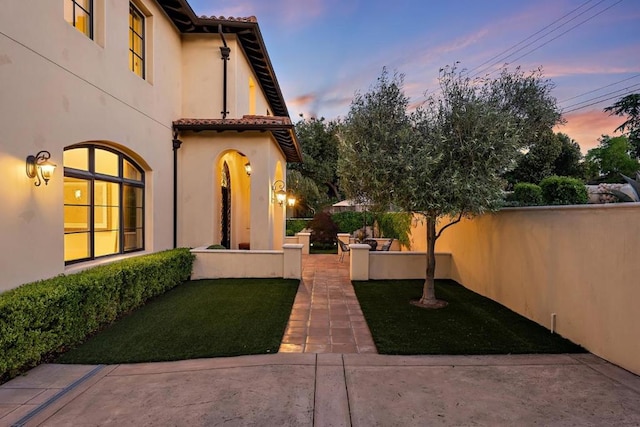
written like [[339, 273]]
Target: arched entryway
[[233, 192]]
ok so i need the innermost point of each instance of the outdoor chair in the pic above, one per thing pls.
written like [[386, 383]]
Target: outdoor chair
[[372, 243], [387, 245], [344, 248]]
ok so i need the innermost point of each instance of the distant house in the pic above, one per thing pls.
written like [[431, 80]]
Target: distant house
[[167, 129]]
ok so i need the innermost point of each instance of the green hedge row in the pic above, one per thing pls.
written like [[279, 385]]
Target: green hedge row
[[48, 316]]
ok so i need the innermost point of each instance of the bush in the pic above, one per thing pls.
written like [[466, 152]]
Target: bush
[[396, 225], [216, 247], [526, 194], [295, 226], [49, 316], [350, 221], [562, 190], [323, 229]]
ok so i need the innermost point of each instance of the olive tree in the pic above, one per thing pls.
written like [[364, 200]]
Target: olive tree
[[444, 161]]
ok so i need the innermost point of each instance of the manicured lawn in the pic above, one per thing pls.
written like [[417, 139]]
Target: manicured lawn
[[205, 318], [470, 324]]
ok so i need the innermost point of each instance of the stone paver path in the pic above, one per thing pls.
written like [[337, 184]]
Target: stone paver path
[[326, 315]]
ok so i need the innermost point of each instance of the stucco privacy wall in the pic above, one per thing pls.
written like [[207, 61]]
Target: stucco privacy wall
[[60, 88], [580, 262]]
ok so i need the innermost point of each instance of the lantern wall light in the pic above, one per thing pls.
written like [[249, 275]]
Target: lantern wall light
[[40, 167], [279, 193]]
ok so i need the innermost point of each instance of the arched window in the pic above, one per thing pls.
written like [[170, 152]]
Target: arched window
[[103, 203]]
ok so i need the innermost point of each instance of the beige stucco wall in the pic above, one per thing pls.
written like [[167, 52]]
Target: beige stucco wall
[[199, 179], [203, 71], [580, 263], [59, 88]]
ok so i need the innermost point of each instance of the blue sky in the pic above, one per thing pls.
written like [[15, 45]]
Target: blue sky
[[324, 51]]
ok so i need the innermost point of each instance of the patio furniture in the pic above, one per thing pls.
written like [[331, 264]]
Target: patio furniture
[[372, 243], [344, 248], [387, 245]]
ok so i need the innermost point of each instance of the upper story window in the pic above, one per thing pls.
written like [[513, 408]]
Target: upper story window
[[136, 41], [79, 13]]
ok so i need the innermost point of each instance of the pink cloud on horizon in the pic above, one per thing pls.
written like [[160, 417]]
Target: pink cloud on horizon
[[585, 127]]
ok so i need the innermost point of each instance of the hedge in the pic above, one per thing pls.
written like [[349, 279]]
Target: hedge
[[45, 317], [527, 194], [563, 190]]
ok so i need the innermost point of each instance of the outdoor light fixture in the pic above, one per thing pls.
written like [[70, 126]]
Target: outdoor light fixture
[[291, 200], [279, 192], [40, 167], [247, 168]]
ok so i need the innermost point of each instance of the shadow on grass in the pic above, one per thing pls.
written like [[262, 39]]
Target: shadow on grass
[[204, 318], [470, 324]]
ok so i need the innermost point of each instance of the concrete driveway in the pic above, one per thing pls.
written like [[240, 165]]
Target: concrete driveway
[[328, 390]]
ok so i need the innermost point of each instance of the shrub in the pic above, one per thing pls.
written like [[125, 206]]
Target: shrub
[[562, 190], [396, 225], [49, 316], [323, 229], [350, 221], [295, 226], [526, 194], [216, 247]]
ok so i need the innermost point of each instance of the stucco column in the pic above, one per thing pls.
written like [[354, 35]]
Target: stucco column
[[359, 261], [304, 238], [292, 261]]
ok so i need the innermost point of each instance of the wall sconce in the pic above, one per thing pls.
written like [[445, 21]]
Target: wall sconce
[[40, 167], [291, 200], [279, 192], [247, 168]]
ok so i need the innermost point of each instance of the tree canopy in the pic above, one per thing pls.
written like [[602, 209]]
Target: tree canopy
[[314, 180], [629, 106], [446, 159], [611, 158]]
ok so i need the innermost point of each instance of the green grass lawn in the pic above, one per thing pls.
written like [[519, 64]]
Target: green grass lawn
[[470, 324], [205, 318]]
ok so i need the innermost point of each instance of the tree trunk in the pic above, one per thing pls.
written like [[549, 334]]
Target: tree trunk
[[428, 299]]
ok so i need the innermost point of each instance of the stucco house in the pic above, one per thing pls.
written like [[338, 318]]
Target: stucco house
[[167, 129]]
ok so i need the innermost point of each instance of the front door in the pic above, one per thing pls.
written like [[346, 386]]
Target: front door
[[226, 208]]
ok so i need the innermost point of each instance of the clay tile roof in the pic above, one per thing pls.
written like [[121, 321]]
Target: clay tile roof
[[280, 127], [230, 18], [257, 122]]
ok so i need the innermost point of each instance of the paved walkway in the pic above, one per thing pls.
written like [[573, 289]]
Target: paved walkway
[[328, 390], [326, 315]]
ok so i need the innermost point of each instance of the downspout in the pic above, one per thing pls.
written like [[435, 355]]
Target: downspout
[[224, 51], [176, 145]]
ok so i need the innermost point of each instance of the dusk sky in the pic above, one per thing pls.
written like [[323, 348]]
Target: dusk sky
[[324, 51]]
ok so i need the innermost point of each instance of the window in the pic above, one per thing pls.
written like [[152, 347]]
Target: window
[[103, 203], [79, 13], [136, 41]]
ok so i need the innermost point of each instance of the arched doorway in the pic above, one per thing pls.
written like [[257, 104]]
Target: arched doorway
[[225, 215]]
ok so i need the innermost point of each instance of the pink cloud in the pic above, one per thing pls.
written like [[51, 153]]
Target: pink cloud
[[585, 127]]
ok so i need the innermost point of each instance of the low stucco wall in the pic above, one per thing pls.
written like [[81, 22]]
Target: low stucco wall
[[580, 262], [406, 265], [216, 264]]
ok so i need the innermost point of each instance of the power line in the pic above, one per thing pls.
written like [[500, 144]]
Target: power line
[[541, 37], [626, 91], [532, 35], [561, 34], [600, 88]]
